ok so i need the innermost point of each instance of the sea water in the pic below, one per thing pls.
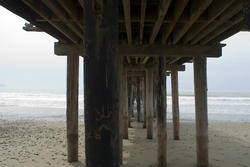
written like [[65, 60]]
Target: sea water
[[45, 104]]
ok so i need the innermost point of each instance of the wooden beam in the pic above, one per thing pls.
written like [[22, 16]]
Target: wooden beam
[[126, 9], [41, 10], [68, 49], [174, 60], [62, 15], [178, 9], [143, 13], [215, 10], [229, 13], [197, 8], [72, 107], [246, 15], [170, 50], [61, 49], [81, 3], [233, 30], [224, 27], [72, 10], [145, 60], [201, 118], [162, 11], [175, 68]]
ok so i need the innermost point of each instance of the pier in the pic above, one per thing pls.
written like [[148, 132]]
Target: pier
[[129, 48]]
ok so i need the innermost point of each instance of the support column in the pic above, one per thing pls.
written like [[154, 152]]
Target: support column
[[144, 102], [125, 103], [138, 100], [149, 99], [101, 95], [121, 110], [72, 106], [161, 114], [130, 103], [200, 88], [175, 103]]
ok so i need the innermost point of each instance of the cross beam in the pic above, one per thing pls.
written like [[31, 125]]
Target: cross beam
[[61, 49]]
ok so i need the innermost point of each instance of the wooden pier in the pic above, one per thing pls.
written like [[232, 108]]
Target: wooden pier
[[128, 48]]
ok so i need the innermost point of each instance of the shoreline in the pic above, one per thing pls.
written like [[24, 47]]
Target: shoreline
[[42, 143]]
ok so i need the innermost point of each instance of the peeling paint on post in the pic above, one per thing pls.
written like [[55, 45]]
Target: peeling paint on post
[[101, 69], [161, 114]]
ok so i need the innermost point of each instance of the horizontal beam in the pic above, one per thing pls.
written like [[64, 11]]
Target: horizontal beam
[[147, 50], [175, 68]]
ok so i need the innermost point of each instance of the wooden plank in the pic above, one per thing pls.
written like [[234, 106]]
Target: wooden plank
[[101, 84], [224, 27], [201, 115], [175, 104], [178, 9], [229, 13], [162, 11], [216, 9], [40, 9], [126, 9], [197, 8], [72, 107], [149, 101], [143, 13], [145, 60], [161, 114], [69, 49], [62, 15]]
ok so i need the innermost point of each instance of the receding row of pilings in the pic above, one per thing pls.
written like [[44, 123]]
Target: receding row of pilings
[[106, 99]]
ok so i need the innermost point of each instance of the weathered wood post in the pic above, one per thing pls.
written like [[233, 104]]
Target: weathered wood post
[[161, 114], [138, 99], [144, 102], [200, 88], [101, 69], [175, 104], [72, 106], [125, 103], [130, 103], [121, 124], [149, 100]]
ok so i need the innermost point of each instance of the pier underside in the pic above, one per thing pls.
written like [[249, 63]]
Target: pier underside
[[129, 47]]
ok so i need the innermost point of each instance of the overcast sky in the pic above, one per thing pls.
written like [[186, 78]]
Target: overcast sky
[[27, 61]]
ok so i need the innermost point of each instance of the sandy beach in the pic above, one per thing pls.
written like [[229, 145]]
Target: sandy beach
[[42, 143]]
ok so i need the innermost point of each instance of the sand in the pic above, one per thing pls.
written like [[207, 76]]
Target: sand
[[42, 143]]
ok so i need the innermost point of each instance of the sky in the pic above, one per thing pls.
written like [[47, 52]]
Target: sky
[[27, 62]]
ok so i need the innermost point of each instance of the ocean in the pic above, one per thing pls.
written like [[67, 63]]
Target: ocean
[[51, 105]]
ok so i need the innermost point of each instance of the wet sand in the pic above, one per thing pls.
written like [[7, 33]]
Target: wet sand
[[42, 143]]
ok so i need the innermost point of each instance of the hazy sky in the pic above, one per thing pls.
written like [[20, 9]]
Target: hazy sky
[[27, 61]]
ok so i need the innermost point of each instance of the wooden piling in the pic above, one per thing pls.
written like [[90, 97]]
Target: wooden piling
[[149, 99], [175, 104], [138, 100], [161, 114], [200, 87], [125, 103], [144, 103], [121, 110], [130, 103], [101, 95], [72, 107]]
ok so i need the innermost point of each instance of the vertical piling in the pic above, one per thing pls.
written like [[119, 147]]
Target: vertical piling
[[138, 100], [72, 106], [200, 87], [175, 104], [149, 99], [101, 69], [161, 114]]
